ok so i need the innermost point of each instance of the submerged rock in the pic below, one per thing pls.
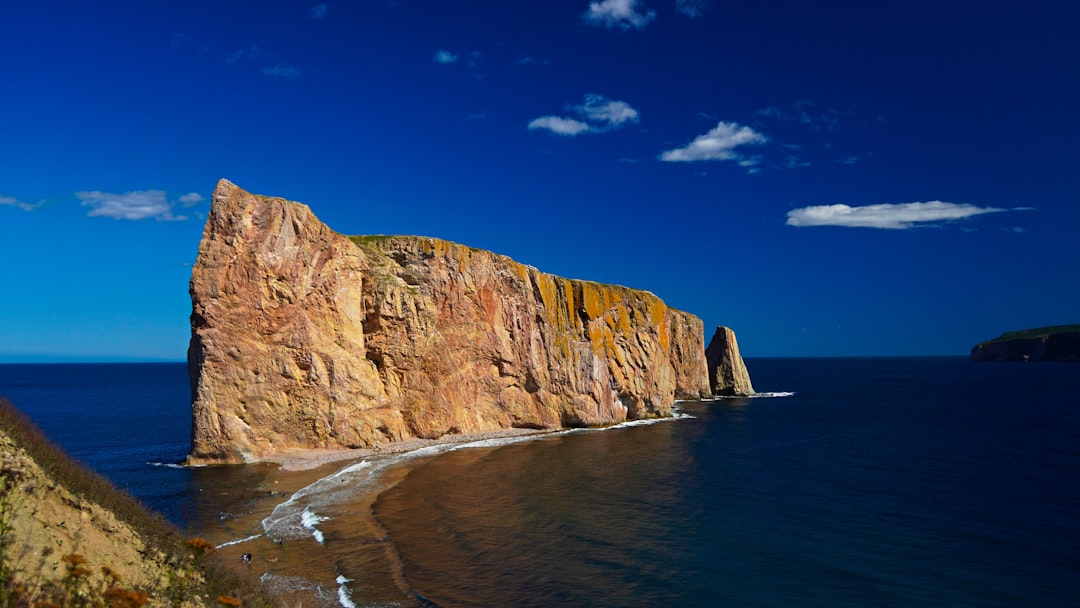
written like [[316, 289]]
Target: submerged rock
[[304, 338], [727, 371]]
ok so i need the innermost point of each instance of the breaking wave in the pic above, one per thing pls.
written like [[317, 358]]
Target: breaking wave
[[309, 520], [238, 541]]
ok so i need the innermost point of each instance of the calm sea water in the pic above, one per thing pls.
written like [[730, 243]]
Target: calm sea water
[[880, 482]]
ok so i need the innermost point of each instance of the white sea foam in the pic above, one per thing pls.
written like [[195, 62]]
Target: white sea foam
[[167, 465], [343, 593], [765, 395], [310, 520], [286, 521], [238, 541]]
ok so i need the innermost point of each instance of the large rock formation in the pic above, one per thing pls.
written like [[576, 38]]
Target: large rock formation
[[1058, 343], [302, 337], [727, 371]]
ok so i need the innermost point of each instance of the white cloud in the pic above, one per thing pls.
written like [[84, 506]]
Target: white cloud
[[14, 202], [138, 205], [559, 125], [318, 11], [623, 14], [691, 8], [445, 57], [717, 144], [191, 198], [599, 113], [889, 216], [282, 71], [598, 108]]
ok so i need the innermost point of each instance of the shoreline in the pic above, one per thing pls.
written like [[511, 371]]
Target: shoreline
[[305, 459], [284, 565]]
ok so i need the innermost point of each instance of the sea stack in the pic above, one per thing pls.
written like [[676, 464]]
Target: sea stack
[[305, 338], [727, 371]]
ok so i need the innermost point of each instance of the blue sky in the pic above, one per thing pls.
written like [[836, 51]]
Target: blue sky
[[828, 178]]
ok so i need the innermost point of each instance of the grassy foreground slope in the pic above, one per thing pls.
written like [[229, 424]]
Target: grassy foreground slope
[[69, 538]]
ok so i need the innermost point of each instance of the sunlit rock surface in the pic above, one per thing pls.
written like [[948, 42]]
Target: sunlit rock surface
[[305, 338]]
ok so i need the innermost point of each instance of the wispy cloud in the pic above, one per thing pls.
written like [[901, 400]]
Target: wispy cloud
[[559, 125], [474, 65], [251, 53], [794, 161], [887, 216], [444, 57], [282, 71], [598, 114], [691, 8], [717, 144], [254, 53], [318, 11], [530, 60], [137, 205], [806, 113], [190, 199], [622, 14], [607, 112], [14, 202]]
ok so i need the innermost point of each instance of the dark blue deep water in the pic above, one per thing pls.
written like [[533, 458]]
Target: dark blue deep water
[[117, 418], [880, 482]]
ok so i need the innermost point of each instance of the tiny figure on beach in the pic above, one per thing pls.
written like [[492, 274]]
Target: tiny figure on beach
[[246, 558]]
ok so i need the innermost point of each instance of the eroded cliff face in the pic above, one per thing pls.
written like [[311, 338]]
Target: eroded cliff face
[[302, 337]]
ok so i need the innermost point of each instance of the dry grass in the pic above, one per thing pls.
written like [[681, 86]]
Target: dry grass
[[195, 576]]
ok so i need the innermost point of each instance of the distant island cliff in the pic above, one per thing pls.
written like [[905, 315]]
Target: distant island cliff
[[305, 338], [1057, 343]]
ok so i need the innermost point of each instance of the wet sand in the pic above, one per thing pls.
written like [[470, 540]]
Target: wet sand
[[237, 498]]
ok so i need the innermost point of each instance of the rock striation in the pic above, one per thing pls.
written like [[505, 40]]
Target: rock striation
[[1058, 343], [305, 338], [727, 371]]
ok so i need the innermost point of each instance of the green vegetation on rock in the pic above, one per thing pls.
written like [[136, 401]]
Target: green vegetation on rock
[[1037, 332]]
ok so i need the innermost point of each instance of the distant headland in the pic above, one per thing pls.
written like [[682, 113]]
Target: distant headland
[[1056, 343]]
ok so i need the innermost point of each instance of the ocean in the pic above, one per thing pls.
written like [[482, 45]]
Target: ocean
[[862, 482]]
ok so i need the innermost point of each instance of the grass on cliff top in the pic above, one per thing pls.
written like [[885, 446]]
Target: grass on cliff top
[[375, 239], [152, 527], [370, 242], [1037, 332]]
